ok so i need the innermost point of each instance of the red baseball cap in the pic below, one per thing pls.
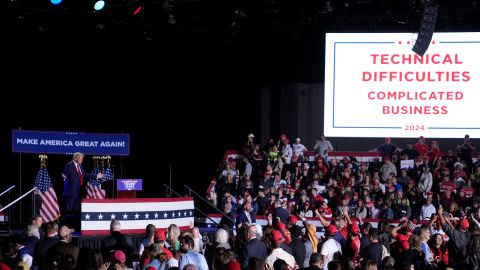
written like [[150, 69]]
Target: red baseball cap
[[292, 219], [331, 230], [118, 255], [160, 235], [277, 236], [355, 228]]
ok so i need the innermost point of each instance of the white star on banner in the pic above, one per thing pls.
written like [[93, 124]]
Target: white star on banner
[[165, 215], [147, 215], [112, 216], [87, 216], [185, 213], [190, 213], [173, 214], [125, 216], [100, 216], [179, 213], [156, 215], [136, 216]]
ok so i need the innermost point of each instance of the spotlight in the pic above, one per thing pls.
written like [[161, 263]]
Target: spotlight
[[327, 8], [171, 19], [137, 10], [55, 2], [99, 5]]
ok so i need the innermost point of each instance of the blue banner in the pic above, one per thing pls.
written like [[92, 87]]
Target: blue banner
[[129, 184], [51, 142]]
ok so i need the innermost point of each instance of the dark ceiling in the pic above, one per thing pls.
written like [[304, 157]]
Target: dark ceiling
[[180, 21]]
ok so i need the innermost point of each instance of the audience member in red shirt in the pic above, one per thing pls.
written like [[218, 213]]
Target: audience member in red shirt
[[435, 153], [440, 251], [421, 147]]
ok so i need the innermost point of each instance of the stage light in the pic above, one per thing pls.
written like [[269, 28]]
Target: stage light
[[56, 2], [137, 10], [99, 5], [427, 27], [171, 19]]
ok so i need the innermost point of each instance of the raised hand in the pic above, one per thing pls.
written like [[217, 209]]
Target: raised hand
[[104, 266]]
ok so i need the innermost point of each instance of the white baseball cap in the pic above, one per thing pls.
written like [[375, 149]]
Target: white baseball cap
[[251, 135]]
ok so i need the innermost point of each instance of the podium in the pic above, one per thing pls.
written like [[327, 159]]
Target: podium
[[127, 188]]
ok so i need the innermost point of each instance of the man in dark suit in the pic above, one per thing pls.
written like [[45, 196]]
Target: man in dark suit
[[51, 239], [246, 216], [64, 254], [316, 262], [253, 248], [75, 179], [280, 213], [117, 241]]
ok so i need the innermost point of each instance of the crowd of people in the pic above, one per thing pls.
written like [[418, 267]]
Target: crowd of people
[[374, 215], [48, 246], [388, 214]]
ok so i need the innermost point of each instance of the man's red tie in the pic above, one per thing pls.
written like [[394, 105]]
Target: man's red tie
[[80, 175]]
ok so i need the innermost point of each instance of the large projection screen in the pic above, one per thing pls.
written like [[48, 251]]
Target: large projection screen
[[376, 86]]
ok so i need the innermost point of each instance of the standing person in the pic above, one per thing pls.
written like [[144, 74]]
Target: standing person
[[189, 256], [252, 248], [421, 147], [386, 149], [434, 153], [63, 253], [75, 180], [465, 149], [323, 147], [298, 150]]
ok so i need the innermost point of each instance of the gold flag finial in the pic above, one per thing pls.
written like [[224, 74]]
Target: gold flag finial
[[43, 160]]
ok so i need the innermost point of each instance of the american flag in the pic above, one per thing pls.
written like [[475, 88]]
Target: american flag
[[108, 174], [49, 210], [94, 189]]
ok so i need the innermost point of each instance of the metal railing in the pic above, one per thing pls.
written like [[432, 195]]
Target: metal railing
[[9, 216], [7, 190], [191, 191], [18, 199], [200, 211]]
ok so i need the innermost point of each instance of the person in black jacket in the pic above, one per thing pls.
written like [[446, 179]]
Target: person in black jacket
[[373, 251], [280, 213], [316, 262], [473, 246], [253, 248], [297, 245], [40, 252], [117, 241]]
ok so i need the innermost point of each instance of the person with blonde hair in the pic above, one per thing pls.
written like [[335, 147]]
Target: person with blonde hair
[[33, 236], [221, 239], [173, 233], [371, 265]]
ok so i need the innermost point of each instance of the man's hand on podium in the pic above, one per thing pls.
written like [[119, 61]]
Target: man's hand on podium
[[100, 175]]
